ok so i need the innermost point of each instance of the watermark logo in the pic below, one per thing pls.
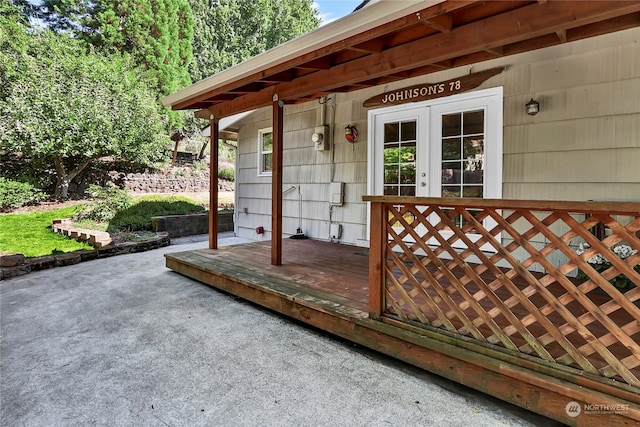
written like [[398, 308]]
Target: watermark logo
[[599, 409], [573, 409]]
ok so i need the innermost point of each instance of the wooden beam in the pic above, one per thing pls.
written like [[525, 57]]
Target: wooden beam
[[562, 35], [382, 30], [621, 208], [317, 64], [522, 24], [276, 182], [603, 27], [213, 182], [442, 23], [496, 51], [284, 76], [371, 46], [248, 88]]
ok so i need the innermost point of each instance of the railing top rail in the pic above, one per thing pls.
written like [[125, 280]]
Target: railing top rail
[[620, 208]]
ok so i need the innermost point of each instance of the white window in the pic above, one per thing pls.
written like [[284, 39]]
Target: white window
[[265, 151]]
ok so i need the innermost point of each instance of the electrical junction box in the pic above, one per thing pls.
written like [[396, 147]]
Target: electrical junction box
[[336, 231], [336, 193], [320, 138]]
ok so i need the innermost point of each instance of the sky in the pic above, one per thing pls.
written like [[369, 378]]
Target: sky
[[330, 10]]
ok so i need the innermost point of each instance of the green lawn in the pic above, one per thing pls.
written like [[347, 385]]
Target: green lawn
[[30, 233]]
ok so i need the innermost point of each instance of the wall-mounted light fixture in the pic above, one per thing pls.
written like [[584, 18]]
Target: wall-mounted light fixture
[[351, 133], [533, 107]]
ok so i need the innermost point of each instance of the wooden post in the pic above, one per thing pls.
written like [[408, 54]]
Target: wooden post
[[276, 183], [377, 256], [213, 183], [204, 147], [175, 153]]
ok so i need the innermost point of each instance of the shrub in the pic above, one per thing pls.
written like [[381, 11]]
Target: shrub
[[14, 194], [199, 167], [138, 216], [226, 173], [105, 203]]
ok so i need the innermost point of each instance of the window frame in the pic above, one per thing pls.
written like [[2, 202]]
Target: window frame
[[261, 152]]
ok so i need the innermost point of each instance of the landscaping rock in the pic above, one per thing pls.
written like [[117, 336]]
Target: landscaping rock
[[19, 270], [67, 259], [21, 265], [87, 255], [42, 263], [11, 260]]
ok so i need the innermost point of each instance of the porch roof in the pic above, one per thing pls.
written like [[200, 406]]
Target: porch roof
[[389, 41]]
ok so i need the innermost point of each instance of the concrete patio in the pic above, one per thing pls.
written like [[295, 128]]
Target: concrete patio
[[125, 341]]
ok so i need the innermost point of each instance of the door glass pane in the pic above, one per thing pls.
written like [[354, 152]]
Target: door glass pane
[[470, 191], [408, 173], [451, 173], [451, 149], [407, 191], [391, 190], [451, 124], [408, 153], [408, 131], [473, 146], [399, 158], [390, 174], [451, 191], [391, 155], [473, 122], [391, 133], [463, 156]]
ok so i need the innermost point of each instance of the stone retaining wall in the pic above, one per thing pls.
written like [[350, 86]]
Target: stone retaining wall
[[190, 225], [17, 265], [159, 183]]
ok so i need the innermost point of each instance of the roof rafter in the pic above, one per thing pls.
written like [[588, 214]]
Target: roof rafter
[[334, 48], [533, 22]]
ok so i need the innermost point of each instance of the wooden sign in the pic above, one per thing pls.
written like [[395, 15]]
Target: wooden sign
[[432, 90]]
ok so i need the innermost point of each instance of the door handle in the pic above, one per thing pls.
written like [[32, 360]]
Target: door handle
[[423, 184]]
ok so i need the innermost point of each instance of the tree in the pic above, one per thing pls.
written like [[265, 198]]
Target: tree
[[72, 106], [230, 31], [13, 41], [13, 26], [157, 34]]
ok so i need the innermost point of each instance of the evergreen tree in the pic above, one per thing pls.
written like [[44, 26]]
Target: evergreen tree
[[13, 43], [230, 31], [156, 33]]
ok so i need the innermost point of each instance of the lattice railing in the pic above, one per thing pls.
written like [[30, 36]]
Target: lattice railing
[[518, 274]]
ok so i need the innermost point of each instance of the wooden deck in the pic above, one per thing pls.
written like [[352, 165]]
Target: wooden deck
[[327, 286], [311, 270]]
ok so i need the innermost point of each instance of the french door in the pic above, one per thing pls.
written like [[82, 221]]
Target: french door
[[449, 147]]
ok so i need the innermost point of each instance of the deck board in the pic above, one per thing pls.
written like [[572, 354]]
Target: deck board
[[337, 273]]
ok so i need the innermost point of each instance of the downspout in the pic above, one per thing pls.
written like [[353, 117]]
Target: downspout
[[332, 149]]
